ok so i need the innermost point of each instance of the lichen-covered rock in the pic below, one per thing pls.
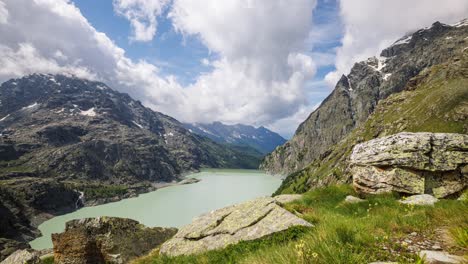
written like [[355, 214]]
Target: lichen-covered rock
[[419, 151], [106, 240], [352, 199], [23, 256], [439, 257], [420, 199], [287, 198], [411, 163], [246, 221], [374, 180]]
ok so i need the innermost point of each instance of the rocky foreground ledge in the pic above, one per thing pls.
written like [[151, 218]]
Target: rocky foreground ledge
[[241, 222], [120, 240]]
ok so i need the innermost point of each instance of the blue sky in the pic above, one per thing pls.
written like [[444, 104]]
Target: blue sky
[[256, 62], [181, 56], [173, 53]]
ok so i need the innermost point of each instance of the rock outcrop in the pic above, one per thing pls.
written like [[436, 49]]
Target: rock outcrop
[[246, 221], [106, 240], [412, 163]]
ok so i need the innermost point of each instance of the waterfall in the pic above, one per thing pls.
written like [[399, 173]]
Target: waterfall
[[80, 201]]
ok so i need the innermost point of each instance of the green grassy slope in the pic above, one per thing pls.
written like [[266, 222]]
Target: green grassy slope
[[347, 233], [434, 101]]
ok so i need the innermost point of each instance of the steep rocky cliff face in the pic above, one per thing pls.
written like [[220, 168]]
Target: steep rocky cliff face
[[61, 137], [357, 94], [436, 100]]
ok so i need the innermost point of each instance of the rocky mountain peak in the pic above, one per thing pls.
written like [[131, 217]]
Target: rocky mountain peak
[[356, 94]]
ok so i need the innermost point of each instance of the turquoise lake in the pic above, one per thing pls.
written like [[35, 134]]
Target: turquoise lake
[[174, 206]]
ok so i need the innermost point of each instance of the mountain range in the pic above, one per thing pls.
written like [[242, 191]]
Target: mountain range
[[261, 139]]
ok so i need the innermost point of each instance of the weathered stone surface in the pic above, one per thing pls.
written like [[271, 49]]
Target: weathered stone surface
[[403, 149], [287, 198], [22, 256], [463, 197], [411, 163], [439, 257], [352, 199], [376, 180], [419, 151], [420, 199], [106, 240], [246, 221]]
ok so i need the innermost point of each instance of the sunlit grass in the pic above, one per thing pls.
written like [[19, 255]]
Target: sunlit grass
[[343, 233]]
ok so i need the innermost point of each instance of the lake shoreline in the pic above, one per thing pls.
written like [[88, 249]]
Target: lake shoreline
[[159, 206], [40, 218]]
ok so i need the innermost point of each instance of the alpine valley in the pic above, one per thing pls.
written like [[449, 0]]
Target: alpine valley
[[64, 137], [378, 173]]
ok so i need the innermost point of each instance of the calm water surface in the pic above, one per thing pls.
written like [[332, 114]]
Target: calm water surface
[[174, 206]]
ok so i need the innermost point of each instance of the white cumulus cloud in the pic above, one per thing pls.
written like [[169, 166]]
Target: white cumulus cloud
[[262, 67], [3, 13], [257, 78], [142, 15]]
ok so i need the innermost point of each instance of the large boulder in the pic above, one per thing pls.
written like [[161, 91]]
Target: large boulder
[[106, 240], [412, 163], [246, 221]]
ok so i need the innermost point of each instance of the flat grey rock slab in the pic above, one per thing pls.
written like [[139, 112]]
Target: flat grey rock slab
[[287, 198], [245, 221], [420, 199], [439, 257], [352, 199]]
